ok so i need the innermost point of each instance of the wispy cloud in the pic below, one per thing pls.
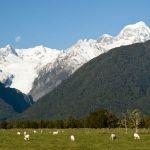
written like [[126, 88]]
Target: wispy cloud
[[17, 39]]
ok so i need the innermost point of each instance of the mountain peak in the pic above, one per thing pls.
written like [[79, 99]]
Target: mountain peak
[[137, 29], [140, 23], [39, 47], [105, 38], [8, 49], [8, 46]]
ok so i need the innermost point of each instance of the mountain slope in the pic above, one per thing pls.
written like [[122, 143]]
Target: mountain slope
[[6, 111], [117, 80], [12, 102], [50, 76]]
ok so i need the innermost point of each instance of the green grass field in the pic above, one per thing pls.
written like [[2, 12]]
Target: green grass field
[[85, 139]]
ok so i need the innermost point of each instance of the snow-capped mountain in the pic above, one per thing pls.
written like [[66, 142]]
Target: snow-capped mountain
[[38, 70], [23, 65], [83, 51], [8, 50], [130, 34]]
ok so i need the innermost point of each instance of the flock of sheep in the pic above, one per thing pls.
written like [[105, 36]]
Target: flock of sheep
[[27, 136], [72, 137]]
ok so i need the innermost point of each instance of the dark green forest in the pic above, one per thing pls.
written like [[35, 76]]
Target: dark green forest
[[101, 118]]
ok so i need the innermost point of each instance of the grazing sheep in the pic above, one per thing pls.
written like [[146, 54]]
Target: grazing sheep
[[113, 137], [72, 138], [34, 131], [26, 137], [41, 131], [55, 132], [136, 136], [24, 132], [18, 133]]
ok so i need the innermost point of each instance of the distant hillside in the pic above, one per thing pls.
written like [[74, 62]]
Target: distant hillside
[[12, 102], [117, 80], [6, 111]]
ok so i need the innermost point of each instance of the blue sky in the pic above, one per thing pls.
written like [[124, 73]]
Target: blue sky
[[60, 23]]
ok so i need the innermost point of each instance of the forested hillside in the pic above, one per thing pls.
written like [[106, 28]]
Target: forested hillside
[[117, 80]]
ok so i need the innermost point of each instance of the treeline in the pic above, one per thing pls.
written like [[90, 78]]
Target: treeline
[[99, 119]]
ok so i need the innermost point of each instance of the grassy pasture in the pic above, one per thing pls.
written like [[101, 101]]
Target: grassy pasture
[[85, 139]]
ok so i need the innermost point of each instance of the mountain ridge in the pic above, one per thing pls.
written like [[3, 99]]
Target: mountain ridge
[[80, 53], [33, 68]]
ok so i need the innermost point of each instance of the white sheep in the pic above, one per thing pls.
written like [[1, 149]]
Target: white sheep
[[26, 137], [18, 133], [55, 132], [34, 131], [136, 136], [72, 138], [113, 136]]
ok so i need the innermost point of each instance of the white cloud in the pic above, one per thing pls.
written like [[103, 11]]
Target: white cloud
[[17, 39]]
